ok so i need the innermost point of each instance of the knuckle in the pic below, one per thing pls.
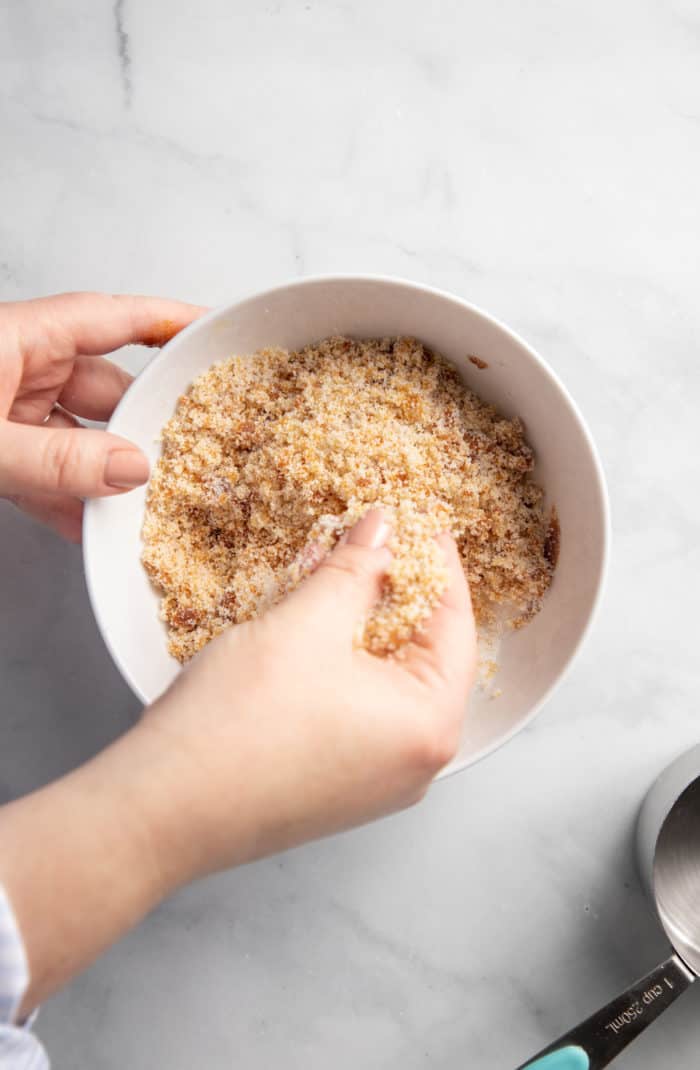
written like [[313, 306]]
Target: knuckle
[[435, 745], [419, 793], [353, 561], [428, 669], [71, 300], [77, 295], [60, 460]]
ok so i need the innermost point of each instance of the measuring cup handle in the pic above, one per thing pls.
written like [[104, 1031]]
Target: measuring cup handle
[[597, 1041]]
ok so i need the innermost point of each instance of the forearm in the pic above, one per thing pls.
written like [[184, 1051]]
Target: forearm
[[79, 867], [85, 858], [279, 732]]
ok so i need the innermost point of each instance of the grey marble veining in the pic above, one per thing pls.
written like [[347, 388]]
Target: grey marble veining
[[541, 160]]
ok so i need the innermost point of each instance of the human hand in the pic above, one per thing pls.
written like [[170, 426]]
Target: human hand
[[278, 732], [282, 731], [51, 372]]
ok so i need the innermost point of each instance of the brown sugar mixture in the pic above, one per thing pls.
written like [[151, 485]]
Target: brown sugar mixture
[[270, 457]]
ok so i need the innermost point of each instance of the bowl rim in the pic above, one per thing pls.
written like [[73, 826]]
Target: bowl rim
[[457, 765]]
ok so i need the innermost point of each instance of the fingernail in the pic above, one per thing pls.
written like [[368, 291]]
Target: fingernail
[[372, 531], [126, 469]]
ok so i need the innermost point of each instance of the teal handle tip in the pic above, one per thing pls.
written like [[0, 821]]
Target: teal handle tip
[[570, 1058]]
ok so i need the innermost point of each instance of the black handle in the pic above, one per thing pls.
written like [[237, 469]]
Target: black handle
[[597, 1041]]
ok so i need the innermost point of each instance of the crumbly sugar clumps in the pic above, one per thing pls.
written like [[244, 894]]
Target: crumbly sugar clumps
[[270, 457]]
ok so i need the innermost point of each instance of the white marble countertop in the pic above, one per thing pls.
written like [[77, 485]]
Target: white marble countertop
[[541, 160]]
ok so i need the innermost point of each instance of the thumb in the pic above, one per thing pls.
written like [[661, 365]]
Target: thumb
[[348, 582], [80, 462]]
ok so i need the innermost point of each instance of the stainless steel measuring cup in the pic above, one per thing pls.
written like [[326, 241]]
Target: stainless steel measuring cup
[[668, 843]]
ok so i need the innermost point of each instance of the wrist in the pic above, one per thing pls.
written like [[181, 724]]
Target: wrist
[[147, 780], [205, 803], [175, 800]]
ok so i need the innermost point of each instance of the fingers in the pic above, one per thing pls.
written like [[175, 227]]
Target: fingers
[[95, 388], [57, 511], [348, 582], [94, 323], [446, 646], [61, 460]]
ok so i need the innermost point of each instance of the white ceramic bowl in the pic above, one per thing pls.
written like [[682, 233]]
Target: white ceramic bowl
[[517, 381]]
